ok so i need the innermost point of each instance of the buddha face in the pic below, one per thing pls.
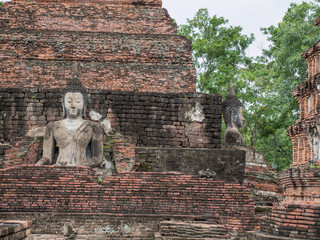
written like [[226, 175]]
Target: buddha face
[[74, 104], [239, 119]]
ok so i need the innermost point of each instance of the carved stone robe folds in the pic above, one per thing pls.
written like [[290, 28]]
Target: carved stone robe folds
[[82, 147]]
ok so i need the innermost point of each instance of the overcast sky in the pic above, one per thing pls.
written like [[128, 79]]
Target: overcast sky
[[251, 15]]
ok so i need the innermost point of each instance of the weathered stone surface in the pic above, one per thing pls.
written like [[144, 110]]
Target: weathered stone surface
[[15, 230], [192, 230], [229, 165], [266, 236]]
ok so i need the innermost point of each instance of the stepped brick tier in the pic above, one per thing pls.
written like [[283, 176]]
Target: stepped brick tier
[[175, 230], [15, 230], [47, 194], [154, 119], [128, 45], [297, 216]]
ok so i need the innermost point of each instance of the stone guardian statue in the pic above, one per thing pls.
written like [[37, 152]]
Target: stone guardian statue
[[233, 117], [80, 141]]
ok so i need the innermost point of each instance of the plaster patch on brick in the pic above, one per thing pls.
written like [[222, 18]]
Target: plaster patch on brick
[[95, 116], [106, 126], [195, 114]]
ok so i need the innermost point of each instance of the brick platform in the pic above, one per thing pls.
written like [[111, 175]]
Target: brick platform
[[266, 236], [184, 230], [74, 190]]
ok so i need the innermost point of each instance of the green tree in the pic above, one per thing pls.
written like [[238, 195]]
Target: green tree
[[264, 84], [294, 34], [218, 50]]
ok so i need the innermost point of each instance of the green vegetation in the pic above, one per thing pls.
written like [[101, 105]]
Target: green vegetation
[[264, 83], [218, 51]]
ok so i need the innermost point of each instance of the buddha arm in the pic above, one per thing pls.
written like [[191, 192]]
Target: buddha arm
[[97, 146], [48, 147]]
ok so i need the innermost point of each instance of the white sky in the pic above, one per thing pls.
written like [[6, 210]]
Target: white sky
[[251, 15]]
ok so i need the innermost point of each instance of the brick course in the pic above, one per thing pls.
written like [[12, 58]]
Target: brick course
[[60, 189], [118, 45]]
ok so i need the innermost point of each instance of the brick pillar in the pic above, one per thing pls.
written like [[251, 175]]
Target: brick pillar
[[124, 156]]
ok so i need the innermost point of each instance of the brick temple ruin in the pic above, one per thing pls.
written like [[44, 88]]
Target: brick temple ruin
[[137, 73]]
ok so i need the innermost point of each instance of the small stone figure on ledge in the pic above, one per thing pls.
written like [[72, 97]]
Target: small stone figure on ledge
[[233, 117], [80, 141]]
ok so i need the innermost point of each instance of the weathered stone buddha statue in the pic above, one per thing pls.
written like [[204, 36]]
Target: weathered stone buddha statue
[[233, 117], [80, 141]]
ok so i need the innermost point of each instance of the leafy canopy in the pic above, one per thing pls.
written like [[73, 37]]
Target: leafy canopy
[[218, 50], [294, 34], [265, 83]]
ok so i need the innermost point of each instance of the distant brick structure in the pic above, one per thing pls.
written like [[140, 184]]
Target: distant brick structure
[[297, 216]]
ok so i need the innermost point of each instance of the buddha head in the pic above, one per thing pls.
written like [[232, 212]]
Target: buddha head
[[232, 110], [74, 104]]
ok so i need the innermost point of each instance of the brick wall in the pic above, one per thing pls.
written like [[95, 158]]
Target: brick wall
[[302, 184], [22, 150], [99, 60], [153, 119], [299, 221], [45, 189], [103, 17], [136, 2], [119, 45]]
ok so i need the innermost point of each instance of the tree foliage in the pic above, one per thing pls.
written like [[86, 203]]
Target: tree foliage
[[294, 34], [218, 50], [264, 84]]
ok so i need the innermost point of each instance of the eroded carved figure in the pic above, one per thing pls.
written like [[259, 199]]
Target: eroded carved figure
[[314, 142], [80, 141], [233, 117]]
